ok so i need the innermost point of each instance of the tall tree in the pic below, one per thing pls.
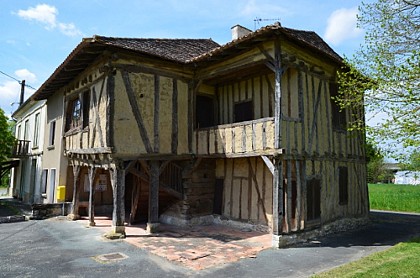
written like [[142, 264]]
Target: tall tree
[[7, 140], [385, 73]]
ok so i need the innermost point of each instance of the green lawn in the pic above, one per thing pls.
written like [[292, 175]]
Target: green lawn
[[402, 260], [394, 197]]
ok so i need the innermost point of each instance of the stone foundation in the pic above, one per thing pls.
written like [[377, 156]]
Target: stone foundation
[[41, 211], [337, 226]]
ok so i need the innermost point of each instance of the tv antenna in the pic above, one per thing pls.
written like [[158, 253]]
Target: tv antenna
[[258, 21]]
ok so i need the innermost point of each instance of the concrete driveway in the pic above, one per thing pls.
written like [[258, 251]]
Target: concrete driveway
[[60, 248]]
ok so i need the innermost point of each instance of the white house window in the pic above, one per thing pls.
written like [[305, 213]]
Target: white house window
[[36, 131], [52, 133]]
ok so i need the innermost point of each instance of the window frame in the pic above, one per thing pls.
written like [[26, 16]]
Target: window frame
[[343, 186], [37, 126], [53, 129], [338, 115], [242, 104]]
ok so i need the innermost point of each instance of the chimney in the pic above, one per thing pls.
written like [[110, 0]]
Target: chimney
[[22, 92], [239, 31]]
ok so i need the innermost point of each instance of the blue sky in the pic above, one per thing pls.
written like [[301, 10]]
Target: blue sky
[[35, 37]]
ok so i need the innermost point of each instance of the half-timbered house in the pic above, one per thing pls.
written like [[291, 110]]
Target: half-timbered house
[[185, 131]]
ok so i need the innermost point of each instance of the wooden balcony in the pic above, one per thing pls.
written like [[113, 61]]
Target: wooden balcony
[[21, 149], [250, 138]]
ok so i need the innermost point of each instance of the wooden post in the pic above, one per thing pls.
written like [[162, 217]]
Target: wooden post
[[277, 197], [153, 221], [277, 96], [91, 176], [75, 204], [117, 174]]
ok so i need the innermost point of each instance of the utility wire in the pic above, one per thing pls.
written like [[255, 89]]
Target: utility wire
[[19, 81]]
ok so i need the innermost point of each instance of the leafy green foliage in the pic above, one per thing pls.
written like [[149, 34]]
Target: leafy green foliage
[[7, 140], [385, 73], [376, 171]]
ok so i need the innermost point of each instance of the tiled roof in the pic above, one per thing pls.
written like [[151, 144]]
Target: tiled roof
[[185, 51], [178, 50], [308, 39]]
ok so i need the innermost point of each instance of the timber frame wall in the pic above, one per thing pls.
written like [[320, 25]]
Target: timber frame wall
[[287, 157]]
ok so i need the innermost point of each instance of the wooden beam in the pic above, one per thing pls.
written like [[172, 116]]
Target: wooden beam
[[117, 176], [277, 96], [91, 177], [76, 183], [269, 164], [174, 144], [110, 89], [156, 114], [278, 212], [153, 219]]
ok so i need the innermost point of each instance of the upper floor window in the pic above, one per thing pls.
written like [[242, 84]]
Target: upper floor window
[[77, 115], [243, 111], [339, 120], [204, 111], [36, 129], [52, 133], [74, 114]]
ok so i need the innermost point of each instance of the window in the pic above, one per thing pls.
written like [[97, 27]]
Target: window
[[74, 114], [243, 111], [313, 199], [44, 180], [18, 132], [52, 185], [52, 133], [338, 116], [204, 111], [343, 185], [36, 132], [26, 131]]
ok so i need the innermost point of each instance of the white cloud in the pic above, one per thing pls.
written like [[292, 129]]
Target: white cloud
[[9, 91], [47, 15], [42, 13], [342, 26], [25, 74], [69, 29]]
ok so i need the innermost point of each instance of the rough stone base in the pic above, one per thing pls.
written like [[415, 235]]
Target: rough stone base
[[112, 235], [342, 225], [73, 217], [40, 211], [152, 227], [209, 220]]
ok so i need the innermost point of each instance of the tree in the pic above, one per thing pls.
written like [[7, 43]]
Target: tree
[[7, 140], [385, 73], [376, 170]]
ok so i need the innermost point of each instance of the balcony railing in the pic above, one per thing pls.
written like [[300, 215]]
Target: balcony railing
[[21, 148], [237, 139]]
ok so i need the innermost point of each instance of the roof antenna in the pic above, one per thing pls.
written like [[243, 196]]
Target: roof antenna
[[258, 20]]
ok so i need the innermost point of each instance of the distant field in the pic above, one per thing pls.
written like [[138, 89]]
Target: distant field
[[395, 197]]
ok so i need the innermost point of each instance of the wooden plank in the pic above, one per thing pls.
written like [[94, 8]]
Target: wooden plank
[[174, 145], [97, 121], [299, 198], [136, 112]]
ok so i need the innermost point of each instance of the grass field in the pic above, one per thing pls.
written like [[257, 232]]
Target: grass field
[[394, 197], [402, 260]]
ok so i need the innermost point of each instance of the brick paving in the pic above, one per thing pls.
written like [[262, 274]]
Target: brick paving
[[197, 247]]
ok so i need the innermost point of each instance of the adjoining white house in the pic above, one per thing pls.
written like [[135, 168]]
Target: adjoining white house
[[407, 177], [27, 181]]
